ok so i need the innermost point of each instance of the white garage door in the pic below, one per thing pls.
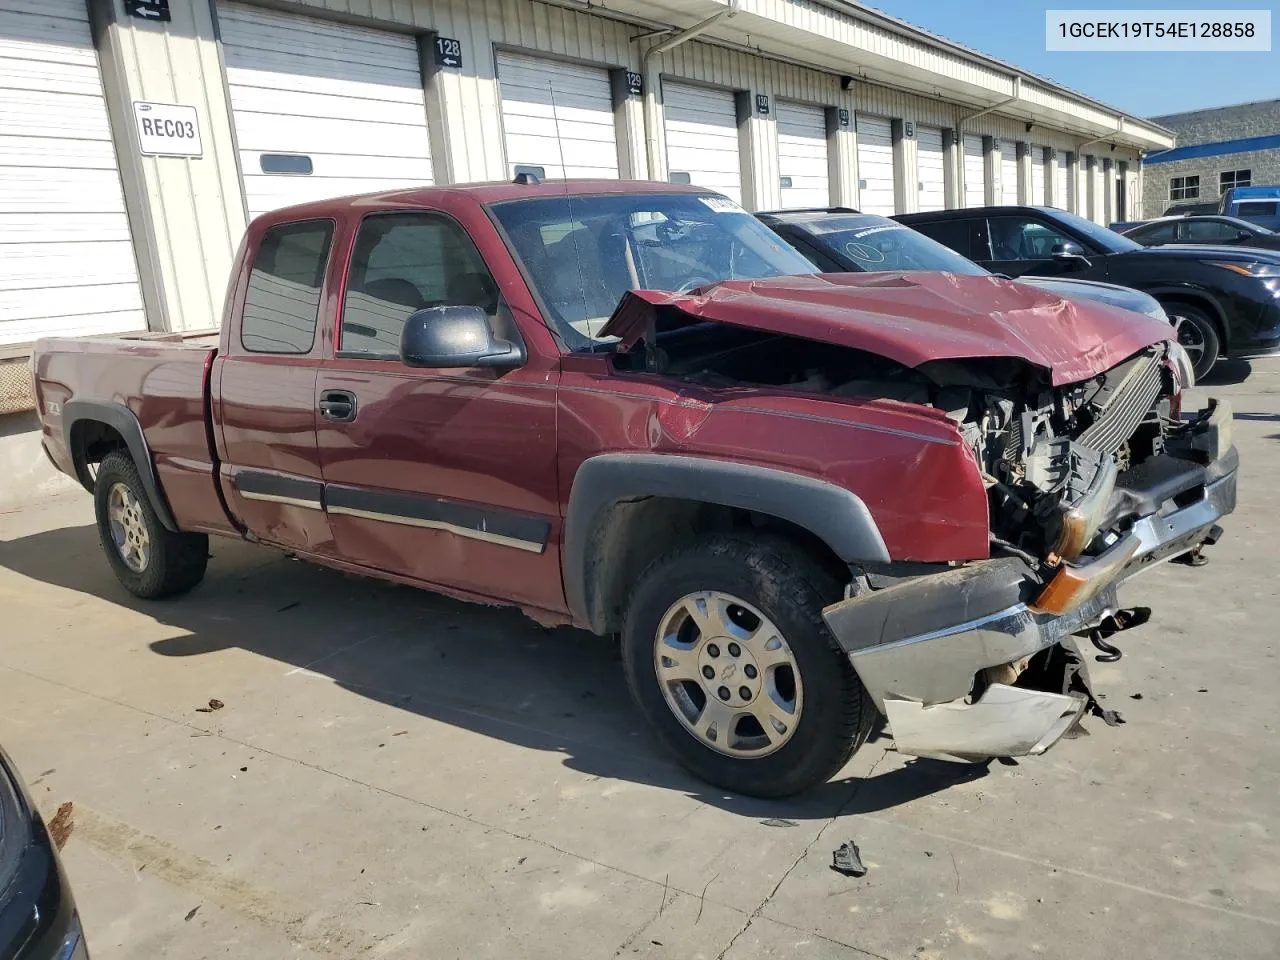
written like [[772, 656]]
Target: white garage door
[[802, 155], [66, 259], [702, 138], [975, 184], [1037, 176], [1060, 181], [1008, 172], [875, 166], [322, 109], [557, 118], [1084, 191], [930, 166]]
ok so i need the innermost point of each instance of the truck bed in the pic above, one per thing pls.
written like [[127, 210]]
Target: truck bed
[[157, 381]]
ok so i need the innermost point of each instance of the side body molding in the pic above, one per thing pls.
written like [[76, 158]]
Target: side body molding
[[831, 513], [121, 419]]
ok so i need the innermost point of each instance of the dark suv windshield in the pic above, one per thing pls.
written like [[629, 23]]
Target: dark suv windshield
[[876, 243], [583, 253]]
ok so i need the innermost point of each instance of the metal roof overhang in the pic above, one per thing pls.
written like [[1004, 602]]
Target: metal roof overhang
[[837, 38]]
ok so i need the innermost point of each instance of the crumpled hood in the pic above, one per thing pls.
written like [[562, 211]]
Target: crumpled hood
[[912, 318]]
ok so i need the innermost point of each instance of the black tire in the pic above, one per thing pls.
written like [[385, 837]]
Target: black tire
[[790, 589], [1198, 335], [175, 561]]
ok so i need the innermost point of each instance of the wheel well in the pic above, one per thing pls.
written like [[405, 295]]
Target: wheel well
[[91, 441], [1201, 303], [630, 534]]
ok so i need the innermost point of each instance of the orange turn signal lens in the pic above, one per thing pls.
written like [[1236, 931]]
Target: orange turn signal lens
[[1063, 592], [1076, 583]]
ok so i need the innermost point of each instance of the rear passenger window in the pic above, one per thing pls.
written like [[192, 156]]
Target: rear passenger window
[[283, 299], [1257, 209], [402, 263], [949, 233], [1161, 234]]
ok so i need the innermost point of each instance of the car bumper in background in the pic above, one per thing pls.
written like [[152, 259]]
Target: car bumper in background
[[923, 647]]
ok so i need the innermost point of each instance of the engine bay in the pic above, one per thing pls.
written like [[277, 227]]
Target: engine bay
[[1050, 457]]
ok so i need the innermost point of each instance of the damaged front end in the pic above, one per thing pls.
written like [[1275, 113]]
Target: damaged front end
[[1089, 484]]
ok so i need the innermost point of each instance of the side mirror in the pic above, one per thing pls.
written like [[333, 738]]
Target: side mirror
[[455, 336], [1069, 253]]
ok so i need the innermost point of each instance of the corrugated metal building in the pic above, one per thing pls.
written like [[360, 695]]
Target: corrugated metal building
[[138, 137]]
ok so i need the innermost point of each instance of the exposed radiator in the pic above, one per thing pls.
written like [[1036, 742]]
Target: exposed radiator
[[1128, 404]]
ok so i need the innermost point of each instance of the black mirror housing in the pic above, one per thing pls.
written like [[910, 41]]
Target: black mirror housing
[[1069, 253], [455, 336]]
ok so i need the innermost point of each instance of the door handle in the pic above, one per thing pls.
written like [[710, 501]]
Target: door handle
[[338, 405]]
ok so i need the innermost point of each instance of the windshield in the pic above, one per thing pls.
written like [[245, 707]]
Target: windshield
[[1108, 240], [874, 244], [583, 253]]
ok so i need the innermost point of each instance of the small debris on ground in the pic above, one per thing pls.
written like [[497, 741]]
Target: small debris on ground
[[928, 853], [1203, 690], [400, 733], [214, 704], [777, 822], [846, 859], [191, 913], [244, 769], [289, 606], [62, 824], [1135, 696]]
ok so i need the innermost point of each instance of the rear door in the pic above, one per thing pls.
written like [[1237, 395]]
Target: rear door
[[442, 475], [263, 389]]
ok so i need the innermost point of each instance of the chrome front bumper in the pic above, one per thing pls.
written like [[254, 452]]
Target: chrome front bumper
[[922, 679]]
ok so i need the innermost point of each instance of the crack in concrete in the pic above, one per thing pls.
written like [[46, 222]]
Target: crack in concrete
[[844, 805]]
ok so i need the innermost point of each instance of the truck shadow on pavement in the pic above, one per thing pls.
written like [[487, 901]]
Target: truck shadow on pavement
[[487, 670]]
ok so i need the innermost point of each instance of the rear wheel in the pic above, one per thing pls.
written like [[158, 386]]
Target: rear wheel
[[1198, 335], [728, 657], [149, 560]]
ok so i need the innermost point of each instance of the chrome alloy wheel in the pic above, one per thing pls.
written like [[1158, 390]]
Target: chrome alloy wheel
[[128, 528], [728, 674], [1189, 338]]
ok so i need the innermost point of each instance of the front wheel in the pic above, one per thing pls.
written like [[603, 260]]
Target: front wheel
[[150, 561], [728, 657], [1197, 334]]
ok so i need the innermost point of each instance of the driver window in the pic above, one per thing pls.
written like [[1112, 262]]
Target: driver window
[[401, 263], [1018, 238], [1209, 231]]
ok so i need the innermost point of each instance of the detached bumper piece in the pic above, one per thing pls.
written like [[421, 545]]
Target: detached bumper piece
[[945, 655]]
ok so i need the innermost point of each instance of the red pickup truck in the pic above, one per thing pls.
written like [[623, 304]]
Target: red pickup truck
[[801, 499]]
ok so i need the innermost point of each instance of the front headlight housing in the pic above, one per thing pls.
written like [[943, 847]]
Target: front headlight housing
[[1183, 368], [1263, 270], [1155, 311]]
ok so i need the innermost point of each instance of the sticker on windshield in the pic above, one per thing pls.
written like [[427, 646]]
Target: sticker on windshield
[[870, 230], [721, 205], [864, 252]]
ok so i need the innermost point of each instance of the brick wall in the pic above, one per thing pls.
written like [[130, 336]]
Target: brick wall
[[1263, 165], [1260, 119]]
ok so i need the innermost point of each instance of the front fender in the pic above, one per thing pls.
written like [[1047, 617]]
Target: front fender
[[833, 514]]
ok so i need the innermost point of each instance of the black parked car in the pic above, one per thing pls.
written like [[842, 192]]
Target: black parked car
[[841, 240], [1211, 229], [1225, 301], [38, 919]]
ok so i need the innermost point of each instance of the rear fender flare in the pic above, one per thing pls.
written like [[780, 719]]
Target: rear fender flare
[[121, 419], [831, 513]]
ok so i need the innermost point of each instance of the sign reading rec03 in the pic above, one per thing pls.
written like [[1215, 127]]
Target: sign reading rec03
[[167, 130]]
